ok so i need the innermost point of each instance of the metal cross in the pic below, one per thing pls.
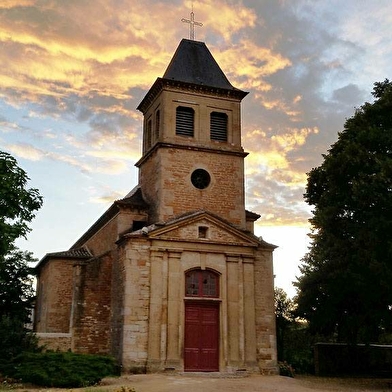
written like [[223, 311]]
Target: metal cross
[[192, 24]]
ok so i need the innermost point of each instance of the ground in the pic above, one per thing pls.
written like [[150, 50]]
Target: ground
[[255, 383], [216, 383]]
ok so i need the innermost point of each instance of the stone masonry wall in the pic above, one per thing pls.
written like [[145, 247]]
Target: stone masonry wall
[[136, 305], [92, 307], [173, 193], [165, 172], [214, 233], [55, 341], [168, 101], [264, 313], [104, 239], [53, 308], [117, 304]]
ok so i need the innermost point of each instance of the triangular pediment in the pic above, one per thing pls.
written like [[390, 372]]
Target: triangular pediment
[[204, 227]]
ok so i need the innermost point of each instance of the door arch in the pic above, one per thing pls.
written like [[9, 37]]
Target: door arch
[[201, 338]]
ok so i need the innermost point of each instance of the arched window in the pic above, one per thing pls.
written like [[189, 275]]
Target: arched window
[[200, 283], [185, 118]]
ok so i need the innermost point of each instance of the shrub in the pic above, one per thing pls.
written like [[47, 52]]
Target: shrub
[[285, 369], [298, 349], [125, 389], [61, 369], [15, 338]]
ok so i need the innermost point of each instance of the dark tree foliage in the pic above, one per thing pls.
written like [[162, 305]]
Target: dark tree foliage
[[293, 341], [284, 308], [17, 203], [17, 207], [345, 287], [16, 285]]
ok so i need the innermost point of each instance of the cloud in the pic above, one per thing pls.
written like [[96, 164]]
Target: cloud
[[277, 204], [26, 151], [75, 49], [275, 186], [79, 71], [347, 95], [7, 4], [248, 64], [101, 193], [225, 19], [106, 198], [92, 162], [8, 126], [80, 64]]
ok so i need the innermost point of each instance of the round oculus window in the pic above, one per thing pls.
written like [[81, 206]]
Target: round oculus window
[[200, 179]]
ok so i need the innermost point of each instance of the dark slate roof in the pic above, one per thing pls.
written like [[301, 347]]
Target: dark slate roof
[[252, 216], [134, 199], [192, 66], [78, 253], [193, 63]]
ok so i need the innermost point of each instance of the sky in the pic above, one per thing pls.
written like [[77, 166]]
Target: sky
[[73, 72]]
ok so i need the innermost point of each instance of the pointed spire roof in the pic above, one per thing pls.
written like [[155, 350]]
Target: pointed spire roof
[[193, 63], [193, 66]]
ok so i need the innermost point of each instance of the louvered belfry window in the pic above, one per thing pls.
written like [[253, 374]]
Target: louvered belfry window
[[157, 124], [185, 118], [148, 136], [218, 126]]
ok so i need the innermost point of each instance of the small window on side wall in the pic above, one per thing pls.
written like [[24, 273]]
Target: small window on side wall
[[218, 126], [137, 225], [185, 119], [203, 232]]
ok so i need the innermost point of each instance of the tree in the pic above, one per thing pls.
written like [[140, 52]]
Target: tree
[[16, 285], [284, 308], [344, 290], [17, 207], [17, 204], [293, 341]]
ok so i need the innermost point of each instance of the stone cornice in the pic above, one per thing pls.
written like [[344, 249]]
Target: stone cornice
[[188, 147], [161, 84]]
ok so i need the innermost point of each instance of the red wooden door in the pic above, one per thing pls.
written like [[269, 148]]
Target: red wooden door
[[201, 343]]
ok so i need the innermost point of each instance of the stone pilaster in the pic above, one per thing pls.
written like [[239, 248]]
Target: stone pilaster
[[175, 299]]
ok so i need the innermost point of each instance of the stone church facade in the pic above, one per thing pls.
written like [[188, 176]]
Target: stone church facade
[[171, 277]]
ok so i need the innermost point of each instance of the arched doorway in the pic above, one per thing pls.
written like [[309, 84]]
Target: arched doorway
[[201, 340]]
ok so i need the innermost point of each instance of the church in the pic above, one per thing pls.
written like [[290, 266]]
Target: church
[[172, 277]]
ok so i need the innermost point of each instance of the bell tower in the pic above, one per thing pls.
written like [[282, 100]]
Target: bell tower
[[192, 155]]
